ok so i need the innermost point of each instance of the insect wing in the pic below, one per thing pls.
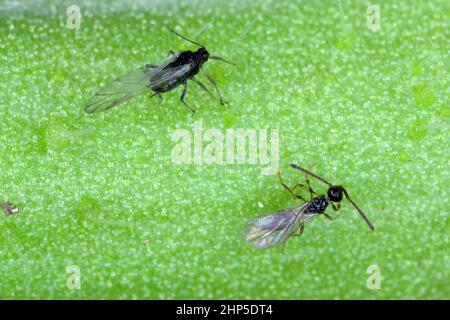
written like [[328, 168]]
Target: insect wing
[[171, 58], [167, 77], [121, 89], [275, 228], [126, 86]]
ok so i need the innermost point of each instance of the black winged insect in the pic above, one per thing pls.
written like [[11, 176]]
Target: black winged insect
[[176, 70], [276, 228]]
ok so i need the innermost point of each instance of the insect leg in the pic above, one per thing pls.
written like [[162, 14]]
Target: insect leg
[[159, 96], [329, 217], [182, 98], [336, 207], [291, 191], [205, 88], [300, 231], [215, 86], [171, 53], [311, 191]]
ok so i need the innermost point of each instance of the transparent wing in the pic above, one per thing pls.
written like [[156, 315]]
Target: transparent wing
[[130, 85], [121, 89], [167, 76], [171, 58], [276, 228]]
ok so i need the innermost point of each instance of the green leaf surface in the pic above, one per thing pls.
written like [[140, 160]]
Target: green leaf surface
[[368, 108]]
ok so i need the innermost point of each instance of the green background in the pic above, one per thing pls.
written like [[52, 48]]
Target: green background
[[368, 108]]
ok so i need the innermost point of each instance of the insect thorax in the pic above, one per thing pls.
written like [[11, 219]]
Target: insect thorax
[[317, 205], [185, 57], [194, 59]]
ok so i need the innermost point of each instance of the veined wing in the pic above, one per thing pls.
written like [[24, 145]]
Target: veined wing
[[121, 89], [276, 228], [126, 87], [171, 58], [166, 78]]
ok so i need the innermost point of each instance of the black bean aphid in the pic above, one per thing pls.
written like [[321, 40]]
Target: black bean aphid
[[177, 69], [276, 228]]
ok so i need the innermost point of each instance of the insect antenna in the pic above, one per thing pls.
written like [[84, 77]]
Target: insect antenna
[[311, 174], [184, 38], [221, 59], [361, 213], [206, 26]]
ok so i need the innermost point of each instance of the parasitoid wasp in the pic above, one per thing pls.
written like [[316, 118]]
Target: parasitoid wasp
[[276, 228]]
